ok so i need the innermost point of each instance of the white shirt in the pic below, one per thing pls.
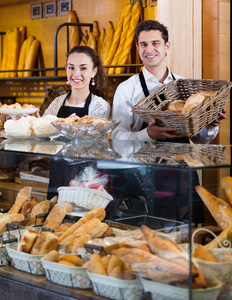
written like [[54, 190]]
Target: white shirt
[[128, 94], [98, 108]]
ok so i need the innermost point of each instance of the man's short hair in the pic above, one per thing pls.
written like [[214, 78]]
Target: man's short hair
[[151, 25]]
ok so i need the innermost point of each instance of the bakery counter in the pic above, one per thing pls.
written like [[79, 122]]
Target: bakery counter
[[17, 285]]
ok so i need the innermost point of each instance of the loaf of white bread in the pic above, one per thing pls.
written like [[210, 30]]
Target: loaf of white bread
[[27, 126], [181, 106]]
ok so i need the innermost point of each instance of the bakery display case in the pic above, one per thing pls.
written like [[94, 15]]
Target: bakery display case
[[137, 184]]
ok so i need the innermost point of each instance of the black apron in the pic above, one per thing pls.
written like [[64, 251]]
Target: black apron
[[66, 111], [197, 205], [61, 170], [146, 93]]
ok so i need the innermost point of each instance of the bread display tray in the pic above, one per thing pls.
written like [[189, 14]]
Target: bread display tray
[[75, 277], [84, 197], [25, 262], [114, 288], [191, 123]]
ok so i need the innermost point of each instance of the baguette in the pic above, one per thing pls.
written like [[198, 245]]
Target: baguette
[[108, 39], [40, 208], [225, 235], [31, 57], [57, 215], [73, 30], [226, 183], [91, 228], [219, 209], [14, 52], [21, 198], [63, 227], [101, 41], [46, 242], [9, 218], [28, 206], [98, 212], [22, 57], [27, 241]]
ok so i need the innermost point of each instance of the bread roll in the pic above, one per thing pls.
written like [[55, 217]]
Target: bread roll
[[52, 256], [28, 205], [77, 243], [98, 212], [46, 242], [9, 218], [96, 266], [195, 100], [22, 196], [219, 209], [115, 267], [40, 208], [27, 241], [77, 261], [105, 261], [226, 183], [67, 263], [176, 106]]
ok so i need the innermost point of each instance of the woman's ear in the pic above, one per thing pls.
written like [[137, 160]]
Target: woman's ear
[[94, 71]]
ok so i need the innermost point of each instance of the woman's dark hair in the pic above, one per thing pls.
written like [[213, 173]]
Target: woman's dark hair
[[151, 25], [100, 79]]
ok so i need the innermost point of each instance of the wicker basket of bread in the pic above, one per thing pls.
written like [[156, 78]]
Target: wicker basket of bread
[[188, 105]]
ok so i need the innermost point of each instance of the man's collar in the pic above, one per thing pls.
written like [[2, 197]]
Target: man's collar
[[147, 75]]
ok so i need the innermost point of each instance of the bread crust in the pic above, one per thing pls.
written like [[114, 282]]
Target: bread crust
[[176, 106], [28, 205], [27, 241], [46, 242], [22, 196], [9, 218], [40, 208]]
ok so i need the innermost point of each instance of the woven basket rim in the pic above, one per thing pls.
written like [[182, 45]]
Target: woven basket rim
[[92, 191]]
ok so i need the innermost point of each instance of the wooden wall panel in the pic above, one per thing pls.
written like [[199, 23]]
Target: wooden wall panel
[[183, 19]]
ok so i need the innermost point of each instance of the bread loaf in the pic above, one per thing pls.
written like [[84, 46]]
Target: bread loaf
[[22, 196], [107, 42], [226, 183], [73, 30], [176, 106], [125, 28], [92, 43], [107, 59], [14, 52], [27, 241], [91, 228], [96, 266], [124, 55], [31, 57], [40, 208], [77, 261], [195, 100], [57, 215], [46, 242], [101, 41], [28, 206], [219, 209], [9, 218], [96, 32], [22, 57], [98, 212]]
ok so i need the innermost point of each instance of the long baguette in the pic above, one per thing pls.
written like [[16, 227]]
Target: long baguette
[[226, 183], [219, 209], [98, 213], [22, 57], [14, 52], [30, 59], [116, 38], [73, 30], [125, 28], [135, 16], [21, 198]]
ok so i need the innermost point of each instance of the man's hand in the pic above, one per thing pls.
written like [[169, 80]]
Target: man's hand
[[162, 133], [218, 121]]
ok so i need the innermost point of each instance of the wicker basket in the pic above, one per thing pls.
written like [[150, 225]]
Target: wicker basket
[[25, 262], [163, 291], [190, 123], [193, 155], [114, 288], [75, 277], [38, 183], [84, 197]]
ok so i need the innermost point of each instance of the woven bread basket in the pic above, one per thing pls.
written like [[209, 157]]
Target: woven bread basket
[[163, 291], [190, 123], [83, 197], [114, 288], [75, 277]]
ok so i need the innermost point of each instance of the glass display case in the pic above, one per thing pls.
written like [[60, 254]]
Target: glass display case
[[150, 184]]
